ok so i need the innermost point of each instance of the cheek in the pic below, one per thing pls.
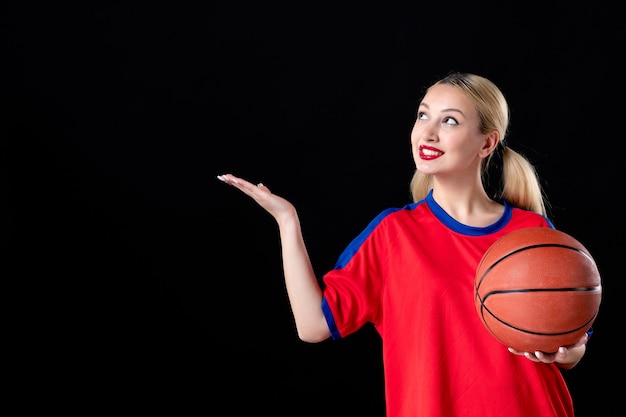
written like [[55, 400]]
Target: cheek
[[414, 142], [414, 135]]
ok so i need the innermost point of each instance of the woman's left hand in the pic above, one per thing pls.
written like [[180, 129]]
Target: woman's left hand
[[567, 356]]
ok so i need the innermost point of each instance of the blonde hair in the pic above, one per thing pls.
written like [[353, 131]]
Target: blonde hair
[[520, 184]]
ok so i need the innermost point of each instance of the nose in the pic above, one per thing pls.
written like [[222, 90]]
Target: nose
[[424, 133]]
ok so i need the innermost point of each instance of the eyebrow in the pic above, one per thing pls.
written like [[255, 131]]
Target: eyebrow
[[452, 109]]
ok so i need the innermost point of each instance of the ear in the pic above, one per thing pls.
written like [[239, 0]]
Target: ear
[[491, 142]]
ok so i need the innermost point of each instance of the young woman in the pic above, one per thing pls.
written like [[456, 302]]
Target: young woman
[[410, 272]]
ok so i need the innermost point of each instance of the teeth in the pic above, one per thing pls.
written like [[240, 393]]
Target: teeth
[[430, 152]]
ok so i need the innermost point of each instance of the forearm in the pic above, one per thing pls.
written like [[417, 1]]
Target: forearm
[[303, 290]]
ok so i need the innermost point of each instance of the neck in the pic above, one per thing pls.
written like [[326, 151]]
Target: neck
[[467, 203]]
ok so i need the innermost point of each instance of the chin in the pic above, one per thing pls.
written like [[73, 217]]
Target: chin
[[424, 169]]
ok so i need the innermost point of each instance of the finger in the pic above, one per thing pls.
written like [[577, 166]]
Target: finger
[[237, 182], [262, 186], [228, 179], [545, 357]]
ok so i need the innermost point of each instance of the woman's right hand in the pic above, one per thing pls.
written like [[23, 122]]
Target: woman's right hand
[[305, 294], [275, 205]]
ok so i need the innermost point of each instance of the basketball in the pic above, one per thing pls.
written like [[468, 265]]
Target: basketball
[[537, 289]]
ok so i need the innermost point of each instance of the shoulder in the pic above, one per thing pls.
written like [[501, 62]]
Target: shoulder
[[400, 214], [530, 218]]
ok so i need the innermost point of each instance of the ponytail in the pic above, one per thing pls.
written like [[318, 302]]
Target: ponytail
[[520, 183]]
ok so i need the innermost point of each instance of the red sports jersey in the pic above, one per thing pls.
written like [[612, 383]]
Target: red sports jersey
[[411, 273]]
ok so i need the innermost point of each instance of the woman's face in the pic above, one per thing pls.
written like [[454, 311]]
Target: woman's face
[[446, 139]]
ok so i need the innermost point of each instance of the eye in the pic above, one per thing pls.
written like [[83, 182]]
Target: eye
[[421, 116], [450, 121]]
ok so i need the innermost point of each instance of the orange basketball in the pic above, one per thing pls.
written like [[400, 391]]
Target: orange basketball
[[537, 289]]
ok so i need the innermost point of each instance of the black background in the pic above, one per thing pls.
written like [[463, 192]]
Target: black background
[[144, 282]]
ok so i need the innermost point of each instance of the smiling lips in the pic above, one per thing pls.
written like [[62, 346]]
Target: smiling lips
[[426, 152]]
